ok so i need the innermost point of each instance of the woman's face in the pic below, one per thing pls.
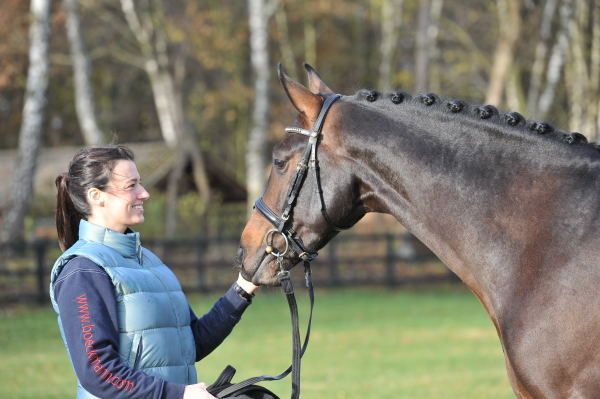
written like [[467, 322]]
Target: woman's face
[[122, 203]]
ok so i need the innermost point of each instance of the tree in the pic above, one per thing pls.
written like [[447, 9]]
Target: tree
[[557, 60], [583, 70], [148, 26], [84, 96], [32, 120], [541, 50], [391, 15], [284, 43], [427, 31], [509, 24], [259, 13]]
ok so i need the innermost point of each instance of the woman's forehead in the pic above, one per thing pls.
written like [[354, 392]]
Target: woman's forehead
[[124, 170]]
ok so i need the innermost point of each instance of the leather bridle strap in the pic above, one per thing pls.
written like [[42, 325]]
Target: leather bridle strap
[[288, 289], [308, 160], [295, 242]]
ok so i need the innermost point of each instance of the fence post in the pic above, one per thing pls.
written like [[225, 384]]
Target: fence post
[[200, 266], [40, 247], [390, 260], [333, 267]]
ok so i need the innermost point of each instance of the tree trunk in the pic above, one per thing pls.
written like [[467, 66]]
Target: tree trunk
[[148, 27], [426, 46], [391, 15], [434, 28], [541, 50], [31, 127], [310, 41], [287, 54], [422, 47], [557, 60], [509, 25], [259, 56], [173, 183], [578, 84], [595, 70], [84, 98]]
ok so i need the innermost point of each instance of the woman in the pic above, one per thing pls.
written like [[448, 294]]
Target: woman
[[124, 319]]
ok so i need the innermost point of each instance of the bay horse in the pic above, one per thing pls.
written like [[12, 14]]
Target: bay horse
[[511, 206]]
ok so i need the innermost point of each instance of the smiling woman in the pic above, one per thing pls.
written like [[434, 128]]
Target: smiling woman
[[123, 198], [123, 316]]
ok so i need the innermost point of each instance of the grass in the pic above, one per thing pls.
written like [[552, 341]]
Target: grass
[[366, 343]]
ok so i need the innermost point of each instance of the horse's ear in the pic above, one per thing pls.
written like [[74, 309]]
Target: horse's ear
[[315, 83], [304, 101]]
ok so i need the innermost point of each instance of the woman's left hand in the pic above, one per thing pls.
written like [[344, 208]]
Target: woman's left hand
[[246, 285]]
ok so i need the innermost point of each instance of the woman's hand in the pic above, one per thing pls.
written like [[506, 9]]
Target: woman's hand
[[246, 285], [197, 391]]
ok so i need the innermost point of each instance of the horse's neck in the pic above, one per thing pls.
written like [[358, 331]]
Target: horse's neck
[[479, 198]]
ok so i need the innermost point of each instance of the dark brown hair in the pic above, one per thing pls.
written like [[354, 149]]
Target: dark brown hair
[[90, 168]]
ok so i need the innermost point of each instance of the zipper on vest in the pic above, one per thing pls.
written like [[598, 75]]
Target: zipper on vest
[[138, 353]]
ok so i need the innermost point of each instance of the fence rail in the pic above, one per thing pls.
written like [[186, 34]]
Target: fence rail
[[207, 264]]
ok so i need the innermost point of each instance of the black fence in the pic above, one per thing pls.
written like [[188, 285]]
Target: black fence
[[207, 264]]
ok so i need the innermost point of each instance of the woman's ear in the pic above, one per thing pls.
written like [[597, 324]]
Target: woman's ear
[[96, 197]]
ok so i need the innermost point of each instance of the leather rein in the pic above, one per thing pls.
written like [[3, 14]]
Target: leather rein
[[293, 242]]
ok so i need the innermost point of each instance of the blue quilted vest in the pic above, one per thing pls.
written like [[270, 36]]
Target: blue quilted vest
[[153, 313]]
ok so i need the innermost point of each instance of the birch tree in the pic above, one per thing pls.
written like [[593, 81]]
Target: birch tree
[[422, 47], [577, 78], [595, 69], [584, 69], [147, 23], [259, 13], [284, 43], [557, 60], [426, 45], [391, 15], [31, 125], [509, 24], [541, 51], [84, 96]]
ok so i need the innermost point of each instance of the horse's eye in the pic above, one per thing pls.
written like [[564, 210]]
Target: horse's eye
[[279, 163]]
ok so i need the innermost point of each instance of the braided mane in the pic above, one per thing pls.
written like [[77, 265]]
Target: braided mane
[[485, 113]]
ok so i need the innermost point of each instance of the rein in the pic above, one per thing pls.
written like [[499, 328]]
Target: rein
[[293, 242]]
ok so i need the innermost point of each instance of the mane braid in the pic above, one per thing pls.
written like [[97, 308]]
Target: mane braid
[[484, 112]]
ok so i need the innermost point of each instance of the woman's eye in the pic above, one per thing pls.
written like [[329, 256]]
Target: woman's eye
[[279, 163]]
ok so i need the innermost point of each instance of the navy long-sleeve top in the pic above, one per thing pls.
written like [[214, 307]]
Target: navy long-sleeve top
[[82, 275]]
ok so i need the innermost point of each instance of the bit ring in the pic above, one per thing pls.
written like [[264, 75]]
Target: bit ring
[[269, 240]]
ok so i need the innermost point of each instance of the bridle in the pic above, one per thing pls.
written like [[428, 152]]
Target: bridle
[[291, 240], [308, 161]]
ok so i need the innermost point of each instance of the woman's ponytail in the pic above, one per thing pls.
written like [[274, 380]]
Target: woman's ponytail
[[67, 217]]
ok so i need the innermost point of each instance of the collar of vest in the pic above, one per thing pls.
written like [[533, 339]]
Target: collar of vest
[[127, 244]]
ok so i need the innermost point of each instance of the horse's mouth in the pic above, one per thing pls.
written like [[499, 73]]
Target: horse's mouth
[[265, 271]]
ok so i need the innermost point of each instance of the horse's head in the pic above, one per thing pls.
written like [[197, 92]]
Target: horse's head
[[311, 178]]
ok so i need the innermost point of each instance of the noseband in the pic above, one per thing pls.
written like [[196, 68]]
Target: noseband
[[308, 161]]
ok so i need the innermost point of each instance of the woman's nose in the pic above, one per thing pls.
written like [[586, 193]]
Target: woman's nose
[[144, 195]]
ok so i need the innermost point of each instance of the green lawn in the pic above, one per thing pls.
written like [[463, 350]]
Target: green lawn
[[366, 343]]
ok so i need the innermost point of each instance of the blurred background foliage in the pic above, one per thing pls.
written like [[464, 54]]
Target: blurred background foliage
[[544, 48]]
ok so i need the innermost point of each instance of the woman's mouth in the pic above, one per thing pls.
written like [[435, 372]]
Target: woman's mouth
[[139, 207]]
